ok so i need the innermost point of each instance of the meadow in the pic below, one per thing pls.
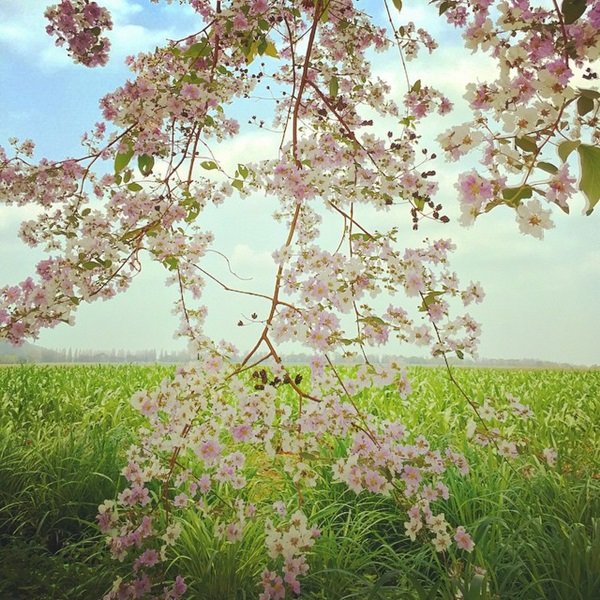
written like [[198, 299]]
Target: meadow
[[64, 432]]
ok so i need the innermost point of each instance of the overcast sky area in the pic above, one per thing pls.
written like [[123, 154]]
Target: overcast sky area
[[541, 296]]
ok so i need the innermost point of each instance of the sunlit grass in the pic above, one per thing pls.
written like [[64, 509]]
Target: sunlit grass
[[64, 432]]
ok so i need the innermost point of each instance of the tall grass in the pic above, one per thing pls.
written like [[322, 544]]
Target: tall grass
[[64, 431], [63, 434]]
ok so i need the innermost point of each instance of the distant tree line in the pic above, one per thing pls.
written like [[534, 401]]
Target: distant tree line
[[29, 353]]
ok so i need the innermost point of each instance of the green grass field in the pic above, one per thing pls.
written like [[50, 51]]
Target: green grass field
[[64, 432]]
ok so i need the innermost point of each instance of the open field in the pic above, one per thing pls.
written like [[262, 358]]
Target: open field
[[64, 432]]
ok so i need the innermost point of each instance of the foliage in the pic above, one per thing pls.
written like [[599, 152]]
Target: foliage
[[517, 519]]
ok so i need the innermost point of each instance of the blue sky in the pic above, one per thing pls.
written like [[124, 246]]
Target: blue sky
[[541, 296]]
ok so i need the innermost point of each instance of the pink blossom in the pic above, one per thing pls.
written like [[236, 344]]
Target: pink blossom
[[209, 451], [240, 22], [180, 500], [259, 6], [190, 91], [463, 539], [204, 483], [413, 283], [474, 190], [561, 186], [147, 559], [241, 433]]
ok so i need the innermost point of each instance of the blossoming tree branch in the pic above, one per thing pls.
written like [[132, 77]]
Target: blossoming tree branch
[[348, 146]]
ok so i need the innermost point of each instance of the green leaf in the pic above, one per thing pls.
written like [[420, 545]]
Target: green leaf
[[460, 354], [243, 170], [334, 86], [444, 6], [237, 183], [429, 299], [145, 164], [572, 10], [129, 235], [251, 52], [193, 211], [416, 87], [592, 94], [360, 236], [122, 160], [209, 165], [584, 105], [526, 143], [476, 589], [198, 50], [135, 187], [398, 4], [565, 148], [548, 167], [88, 265], [171, 263], [589, 184], [373, 320], [85, 212], [513, 196], [271, 50], [431, 296]]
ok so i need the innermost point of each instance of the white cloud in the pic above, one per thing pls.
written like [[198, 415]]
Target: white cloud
[[12, 216], [22, 32], [15, 35], [246, 257], [251, 146], [423, 15], [122, 8], [249, 263], [130, 39]]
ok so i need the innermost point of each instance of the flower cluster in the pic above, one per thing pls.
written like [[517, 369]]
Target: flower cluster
[[382, 462], [534, 113], [492, 414], [290, 541], [80, 24]]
